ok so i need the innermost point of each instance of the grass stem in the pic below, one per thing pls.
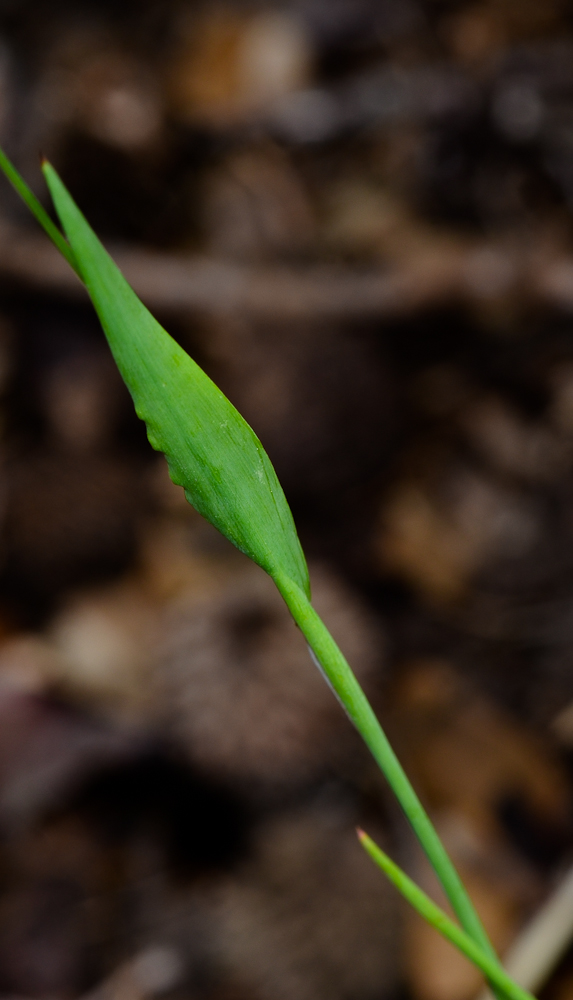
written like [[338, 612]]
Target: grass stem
[[352, 697]]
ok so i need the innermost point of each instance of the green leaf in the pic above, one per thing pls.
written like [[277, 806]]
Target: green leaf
[[211, 451]]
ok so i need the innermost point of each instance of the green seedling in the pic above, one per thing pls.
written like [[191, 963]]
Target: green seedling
[[218, 460]]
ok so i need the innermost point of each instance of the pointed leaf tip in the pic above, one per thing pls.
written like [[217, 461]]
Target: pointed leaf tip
[[211, 451]]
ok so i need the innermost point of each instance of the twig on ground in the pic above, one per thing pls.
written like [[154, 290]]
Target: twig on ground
[[543, 941]]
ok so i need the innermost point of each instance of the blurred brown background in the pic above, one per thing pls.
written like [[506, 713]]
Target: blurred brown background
[[357, 215]]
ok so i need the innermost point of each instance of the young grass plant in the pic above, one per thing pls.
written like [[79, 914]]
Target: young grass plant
[[218, 460]]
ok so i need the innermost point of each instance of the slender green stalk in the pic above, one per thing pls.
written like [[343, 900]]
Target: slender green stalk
[[354, 701], [438, 919], [38, 210]]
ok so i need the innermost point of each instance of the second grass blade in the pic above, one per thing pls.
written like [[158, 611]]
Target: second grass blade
[[442, 923]]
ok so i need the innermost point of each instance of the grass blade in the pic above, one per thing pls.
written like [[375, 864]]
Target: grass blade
[[37, 210], [212, 452], [442, 923]]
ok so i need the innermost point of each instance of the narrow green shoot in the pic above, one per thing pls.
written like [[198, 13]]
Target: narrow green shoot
[[37, 210], [442, 923]]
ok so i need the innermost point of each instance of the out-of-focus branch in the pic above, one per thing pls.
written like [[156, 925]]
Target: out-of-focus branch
[[150, 973], [543, 941], [473, 273], [173, 282]]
